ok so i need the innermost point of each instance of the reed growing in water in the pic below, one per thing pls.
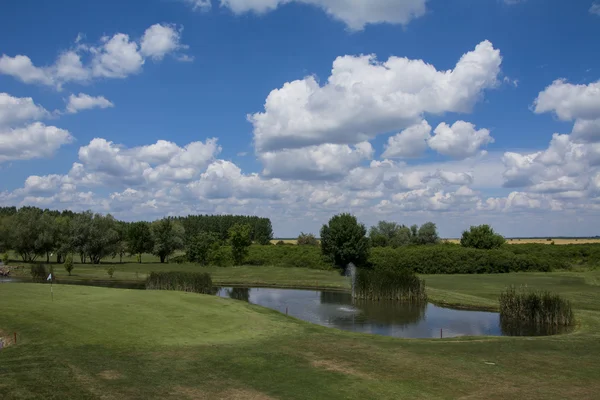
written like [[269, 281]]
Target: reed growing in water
[[388, 285], [534, 311], [196, 282]]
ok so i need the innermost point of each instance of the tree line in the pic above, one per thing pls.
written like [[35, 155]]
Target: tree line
[[33, 233]]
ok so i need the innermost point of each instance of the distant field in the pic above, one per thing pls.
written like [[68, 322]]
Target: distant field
[[509, 241], [542, 241]]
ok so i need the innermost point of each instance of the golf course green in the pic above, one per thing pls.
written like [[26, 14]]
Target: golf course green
[[101, 343]]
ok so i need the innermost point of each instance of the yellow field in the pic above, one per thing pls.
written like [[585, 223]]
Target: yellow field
[[286, 241], [541, 241]]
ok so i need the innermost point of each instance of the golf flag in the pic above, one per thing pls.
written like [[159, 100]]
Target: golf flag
[[49, 277]]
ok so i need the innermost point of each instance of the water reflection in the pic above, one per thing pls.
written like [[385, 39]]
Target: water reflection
[[338, 310]]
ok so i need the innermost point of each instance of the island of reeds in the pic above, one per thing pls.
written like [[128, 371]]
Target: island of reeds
[[196, 282], [388, 285], [534, 312]]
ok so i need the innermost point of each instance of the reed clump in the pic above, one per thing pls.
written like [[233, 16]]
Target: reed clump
[[195, 282], [534, 309], [388, 285]]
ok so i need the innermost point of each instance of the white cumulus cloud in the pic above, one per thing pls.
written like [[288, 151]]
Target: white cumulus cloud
[[116, 56], [461, 140], [84, 101], [410, 143], [14, 110], [364, 98], [32, 141], [354, 13]]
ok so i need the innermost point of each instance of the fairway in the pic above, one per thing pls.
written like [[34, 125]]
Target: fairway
[[127, 344]]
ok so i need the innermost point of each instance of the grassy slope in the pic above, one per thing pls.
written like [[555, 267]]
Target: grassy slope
[[119, 344]]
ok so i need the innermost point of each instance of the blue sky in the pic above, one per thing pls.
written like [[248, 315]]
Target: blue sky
[[274, 108]]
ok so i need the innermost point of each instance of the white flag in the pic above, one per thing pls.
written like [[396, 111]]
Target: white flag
[[49, 277]]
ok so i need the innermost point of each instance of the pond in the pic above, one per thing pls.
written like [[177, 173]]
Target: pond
[[338, 310]]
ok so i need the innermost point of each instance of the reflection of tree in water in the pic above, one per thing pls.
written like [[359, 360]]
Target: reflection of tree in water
[[242, 294], [512, 328], [380, 312]]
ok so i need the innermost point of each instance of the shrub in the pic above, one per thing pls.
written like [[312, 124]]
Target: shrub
[[201, 246], [69, 264], [307, 239], [481, 237], [280, 243], [110, 271], [288, 256], [178, 259], [5, 258], [454, 259], [529, 309], [388, 285], [196, 282], [220, 257], [39, 273], [344, 241]]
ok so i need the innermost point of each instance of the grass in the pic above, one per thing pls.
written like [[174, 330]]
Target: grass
[[245, 275], [127, 344]]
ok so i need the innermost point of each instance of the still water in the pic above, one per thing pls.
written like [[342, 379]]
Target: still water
[[338, 310]]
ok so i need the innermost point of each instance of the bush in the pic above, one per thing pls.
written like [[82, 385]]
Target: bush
[[307, 239], [280, 243], [178, 259], [39, 273], [344, 241], [454, 259], [5, 258], [196, 282], [69, 264], [110, 271], [201, 247], [481, 237], [288, 256]]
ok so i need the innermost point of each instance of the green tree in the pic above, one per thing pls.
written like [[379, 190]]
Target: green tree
[[69, 264], [201, 247], [263, 231], [389, 234], [25, 233], [239, 238], [307, 239], [167, 236], [139, 239], [344, 241], [80, 234], [428, 234], [102, 238], [481, 237]]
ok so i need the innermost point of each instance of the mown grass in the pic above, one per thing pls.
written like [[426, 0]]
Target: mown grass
[[127, 344]]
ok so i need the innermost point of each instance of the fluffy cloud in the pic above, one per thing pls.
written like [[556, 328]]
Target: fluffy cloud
[[104, 161], [14, 110], [202, 5], [363, 98], [461, 140], [32, 141], [595, 9], [115, 57], [86, 102], [354, 13], [570, 101], [159, 40], [327, 161], [410, 143]]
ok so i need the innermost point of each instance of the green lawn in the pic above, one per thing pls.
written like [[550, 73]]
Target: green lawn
[[246, 275], [126, 344]]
